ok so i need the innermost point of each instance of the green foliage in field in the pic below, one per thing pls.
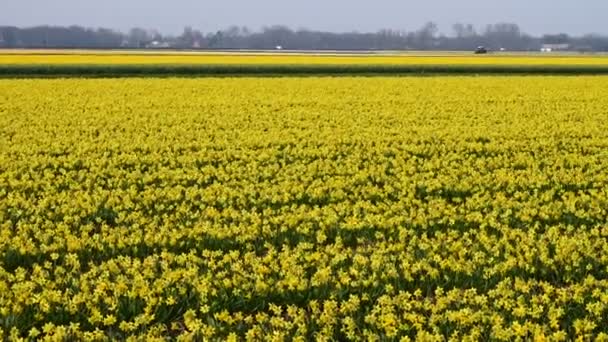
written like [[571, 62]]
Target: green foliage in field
[[146, 70]]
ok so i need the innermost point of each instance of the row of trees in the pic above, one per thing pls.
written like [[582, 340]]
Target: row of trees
[[506, 36]]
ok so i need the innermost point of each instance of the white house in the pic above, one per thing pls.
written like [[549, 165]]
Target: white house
[[554, 47]]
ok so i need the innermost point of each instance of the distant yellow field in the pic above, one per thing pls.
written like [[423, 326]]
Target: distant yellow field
[[122, 58]]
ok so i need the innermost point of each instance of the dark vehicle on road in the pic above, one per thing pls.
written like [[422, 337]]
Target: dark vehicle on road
[[481, 50]]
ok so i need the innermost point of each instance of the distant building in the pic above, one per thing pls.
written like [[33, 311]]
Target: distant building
[[157, 45], [554, 47]]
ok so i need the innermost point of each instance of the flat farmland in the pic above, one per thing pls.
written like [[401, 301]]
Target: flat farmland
[[304, 208], [265, 58], [62, 63]]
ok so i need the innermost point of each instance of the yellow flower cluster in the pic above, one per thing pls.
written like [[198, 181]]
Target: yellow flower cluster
[[439, 208]]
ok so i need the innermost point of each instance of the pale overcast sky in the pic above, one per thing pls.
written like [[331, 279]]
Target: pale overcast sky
[[534, 16]]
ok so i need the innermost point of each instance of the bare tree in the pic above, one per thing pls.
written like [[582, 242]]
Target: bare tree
[[138, 37]]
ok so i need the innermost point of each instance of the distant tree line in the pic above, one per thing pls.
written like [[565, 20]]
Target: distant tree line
[[501, 36]]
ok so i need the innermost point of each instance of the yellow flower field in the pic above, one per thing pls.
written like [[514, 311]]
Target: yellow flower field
[[151, 58], [384, 208]]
